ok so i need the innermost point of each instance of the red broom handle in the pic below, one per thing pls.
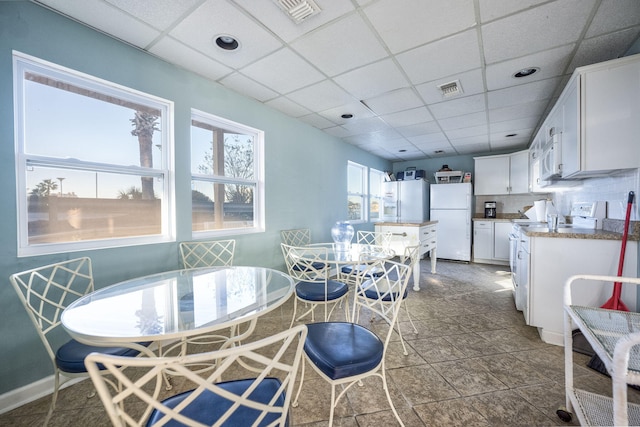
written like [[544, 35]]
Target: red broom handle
[[617, 286]]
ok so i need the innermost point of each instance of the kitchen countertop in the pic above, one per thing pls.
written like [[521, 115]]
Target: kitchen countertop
[[611, 230], [406, 223]]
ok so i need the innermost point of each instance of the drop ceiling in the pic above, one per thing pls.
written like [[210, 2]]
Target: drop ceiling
[[383, 61]]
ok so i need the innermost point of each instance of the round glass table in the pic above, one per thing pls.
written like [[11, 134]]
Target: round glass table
[[176, 305]]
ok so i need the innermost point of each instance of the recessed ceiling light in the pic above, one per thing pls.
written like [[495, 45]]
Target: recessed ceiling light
[[227, 42], [402, 151], [509, 135], [526, 72], [346, 116], [438, 152]]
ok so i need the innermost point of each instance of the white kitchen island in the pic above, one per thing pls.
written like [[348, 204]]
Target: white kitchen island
[[408, 233]]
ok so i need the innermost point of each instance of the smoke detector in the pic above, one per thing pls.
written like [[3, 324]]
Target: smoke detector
[[451, 89], [298, 10]]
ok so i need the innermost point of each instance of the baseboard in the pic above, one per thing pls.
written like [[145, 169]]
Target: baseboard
[[30, 392], [550, 337]]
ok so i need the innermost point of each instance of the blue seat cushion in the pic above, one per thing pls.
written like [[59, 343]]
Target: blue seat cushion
[[209, 407], [341, 349], [371, 292], [70, 356], [316, 265], [360, 269], [313, 291]]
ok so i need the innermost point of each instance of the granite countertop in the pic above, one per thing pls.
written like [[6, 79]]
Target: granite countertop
[[611, 230], [406, 223]]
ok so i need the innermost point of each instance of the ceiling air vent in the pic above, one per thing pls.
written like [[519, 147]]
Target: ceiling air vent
[[450, 89], [298, 10]]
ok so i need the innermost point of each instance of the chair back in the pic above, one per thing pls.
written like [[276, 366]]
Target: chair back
[[382, 293], [296, 236], [46, 291], [209, 253], [257, 387], [374, 238], [306, 263], [411, 255]]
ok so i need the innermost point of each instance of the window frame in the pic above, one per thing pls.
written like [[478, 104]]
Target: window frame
[[23, 63], [258, 182], [362, 194], [377, 175]]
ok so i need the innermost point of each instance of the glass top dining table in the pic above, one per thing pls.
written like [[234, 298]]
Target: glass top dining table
[[176, 304], [355, 253]]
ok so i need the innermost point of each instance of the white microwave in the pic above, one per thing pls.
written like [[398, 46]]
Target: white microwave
[[551, 161]]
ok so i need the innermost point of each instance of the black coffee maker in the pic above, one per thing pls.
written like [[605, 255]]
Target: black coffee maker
[[489, 209]]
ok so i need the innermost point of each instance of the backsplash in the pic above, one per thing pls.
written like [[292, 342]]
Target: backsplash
[[614, 189]]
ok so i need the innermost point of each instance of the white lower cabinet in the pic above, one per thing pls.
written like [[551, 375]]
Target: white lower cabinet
[[491, 241], [553, 260]]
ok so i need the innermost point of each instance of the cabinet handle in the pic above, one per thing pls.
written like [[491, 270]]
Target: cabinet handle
[[399, 234]]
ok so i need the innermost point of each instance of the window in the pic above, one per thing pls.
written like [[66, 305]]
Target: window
[[92, 161], [226, 176], [376, 178], [356, 192]]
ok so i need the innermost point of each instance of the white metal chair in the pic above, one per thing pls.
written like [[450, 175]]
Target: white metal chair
[[207, 253], [349, 273], [45, 292], [309, 267], [345, 353], [257, 387], [296, 236]]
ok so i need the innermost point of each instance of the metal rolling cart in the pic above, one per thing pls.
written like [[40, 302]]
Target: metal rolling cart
[[615, 338]]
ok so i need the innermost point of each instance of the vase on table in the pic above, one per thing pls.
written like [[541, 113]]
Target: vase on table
[[342, 233]]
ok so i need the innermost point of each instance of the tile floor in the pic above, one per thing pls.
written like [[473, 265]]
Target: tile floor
[[473, 362]]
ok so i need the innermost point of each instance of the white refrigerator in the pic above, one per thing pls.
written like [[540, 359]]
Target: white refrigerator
[[405, 201], [451, 207]]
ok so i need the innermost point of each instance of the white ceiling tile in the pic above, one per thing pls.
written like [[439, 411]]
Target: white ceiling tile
[[613, 15], [344, 45], [408, 117], [248, 87], [318, 121], [514, 126], [598, 49], [436, 138], [494, 9], [160, 14], [175, 52], [391, 102], [458, 106], [500, 139], [471, 82], [372, 79], [277, 20], [321, 96], [544, 27], [337, 131], [481, 132], [506, 144], [460, 122], [107, 18], [515, 95], [551, 63], [371, 124], [288, 107], [472, 148], [373, 137], [355, 108], [442, 58], [420, 129], [270, 72], [430, 20], [530, 109], [216, 17]]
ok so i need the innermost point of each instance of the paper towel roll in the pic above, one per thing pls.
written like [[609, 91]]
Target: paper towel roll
[[541, 207]]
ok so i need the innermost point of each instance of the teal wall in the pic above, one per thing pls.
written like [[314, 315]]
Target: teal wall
[[305, 168]]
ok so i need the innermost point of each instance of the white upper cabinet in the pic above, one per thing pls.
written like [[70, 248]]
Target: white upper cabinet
[[502, 174], [597, 122]]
